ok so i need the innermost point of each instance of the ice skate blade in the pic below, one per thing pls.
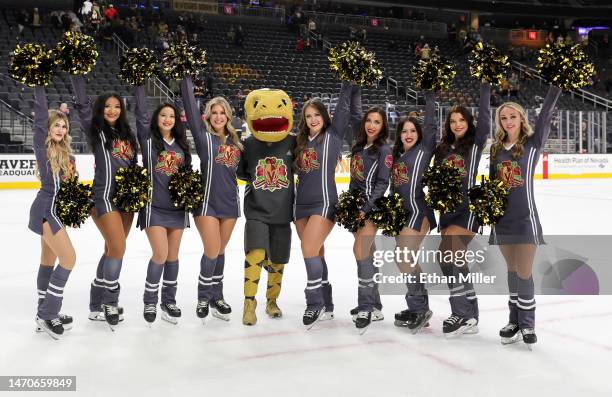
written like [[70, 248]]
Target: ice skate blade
[[362, 330], [309, 326], [530, 346], [97, 316], [168, 318], [220, 316], [48, 332], [423, 324], [67, 327], [401, 324], [458, 333], [510, 340]]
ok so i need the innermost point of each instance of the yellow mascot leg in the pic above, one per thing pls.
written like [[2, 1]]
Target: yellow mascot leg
[[275, 280], [252, 272]]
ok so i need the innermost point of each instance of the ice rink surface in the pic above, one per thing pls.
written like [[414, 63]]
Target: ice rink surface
[[277, 357]]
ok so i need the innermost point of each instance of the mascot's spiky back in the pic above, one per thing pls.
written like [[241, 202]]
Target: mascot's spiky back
[[266, 166]]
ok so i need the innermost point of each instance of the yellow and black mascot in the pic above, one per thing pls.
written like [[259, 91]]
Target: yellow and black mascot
[[265, 166]]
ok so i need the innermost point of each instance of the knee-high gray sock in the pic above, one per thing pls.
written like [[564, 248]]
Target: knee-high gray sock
[[170, 283], [97, 287], [218, 277], [154, 273], [416, 297], [470, 293], [314, 271], [512, 299], [112, 270], [326, 288], [526, 303], [52, 304], [42, 281], [460, 305], [205, 284], [365, 291]]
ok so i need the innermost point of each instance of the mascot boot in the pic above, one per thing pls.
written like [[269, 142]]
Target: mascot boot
[[252, 272], [275, 280]]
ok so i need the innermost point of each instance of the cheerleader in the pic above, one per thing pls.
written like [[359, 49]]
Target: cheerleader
[[371, 161], [461, 146], [412, 153], [164, 149], [55, 163], [514, 156], [114, 146], [319, 145], [218, 147]]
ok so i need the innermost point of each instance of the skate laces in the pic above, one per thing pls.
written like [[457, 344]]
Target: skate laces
[[310, 313], [56, 322], [172, 307], [221, 303], [202, 304], [452, 320], [111, 310], [363, 315], [150, 308], [528, 331]]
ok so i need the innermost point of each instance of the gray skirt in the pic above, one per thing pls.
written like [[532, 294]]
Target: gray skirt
[[154, 216]]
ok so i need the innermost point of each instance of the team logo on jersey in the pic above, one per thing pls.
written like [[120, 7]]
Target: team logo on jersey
[[399, 174], [122, 149], [509, 171], [357, 168], [168, 162], [308, 161], [457, 161], [271, 174], [228, 155], [388, 161]]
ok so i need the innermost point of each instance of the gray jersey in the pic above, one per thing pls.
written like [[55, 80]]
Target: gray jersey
[[316, 188], [467, 163], [409, 167], [218, 162], [44, 206], [161, 165], [370, 172], [107, 162], [521, 218]]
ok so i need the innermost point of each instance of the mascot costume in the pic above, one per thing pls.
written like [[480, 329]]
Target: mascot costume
[[266, 167]]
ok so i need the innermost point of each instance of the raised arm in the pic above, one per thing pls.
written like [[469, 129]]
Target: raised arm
[[41, 121], [340, 120], [542, 126], [484, 115], [83, 103], [383, 173], [194, 120], [143, 121], [429, 128]]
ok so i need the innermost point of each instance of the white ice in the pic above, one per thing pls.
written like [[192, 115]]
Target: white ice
[[277, 357]]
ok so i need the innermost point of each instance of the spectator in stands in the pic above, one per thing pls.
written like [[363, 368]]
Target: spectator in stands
[[495, 98], [36, 20], [417, 50], [111, 13], [22, 19], [65, 109], [452, 32], [239, 36], [312, 26], [361, 37], [96, 16], [514, 85], [86, 10], [504, 87], [300, 44], [426, 53]]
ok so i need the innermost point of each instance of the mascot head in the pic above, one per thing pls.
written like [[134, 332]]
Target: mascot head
[[269, 114]]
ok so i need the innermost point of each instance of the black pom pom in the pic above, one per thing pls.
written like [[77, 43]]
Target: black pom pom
[[348, 210], [488, 63], [137, 65], [350, 61], [565, 66], [182, 59], [32, 64], [133, 188], [444, 187], [76, 53], [186, 188], [488, 201], [434, 74], [389, 214], [73, 202]]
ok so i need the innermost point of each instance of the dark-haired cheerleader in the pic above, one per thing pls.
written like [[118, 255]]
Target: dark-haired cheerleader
[[164, 149], [412, 153], [114, 146], [514, 156], [461, 146]]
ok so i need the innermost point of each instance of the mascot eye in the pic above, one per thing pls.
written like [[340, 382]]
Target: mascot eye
[[284, 102], [255, 104]]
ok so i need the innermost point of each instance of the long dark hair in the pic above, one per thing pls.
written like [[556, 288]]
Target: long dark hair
[[121, 130], [448, 138], [303, 130], [362, 138], [178, 132], [398, 146]]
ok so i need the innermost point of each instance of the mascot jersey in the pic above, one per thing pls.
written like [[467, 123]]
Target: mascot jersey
[[266, 163]]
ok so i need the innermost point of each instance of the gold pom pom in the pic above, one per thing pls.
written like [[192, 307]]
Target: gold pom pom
[[350, 61], [488, 63], [436, 73], [32, 64], [565, 66], [76, 53]]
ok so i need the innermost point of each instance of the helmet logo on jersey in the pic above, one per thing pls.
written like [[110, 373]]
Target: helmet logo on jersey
[[399, 174], [228, 155], [271, 174], [122, 150], [509, 171], [457, 161], [168, 162], [308, 161], [357, 168]]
